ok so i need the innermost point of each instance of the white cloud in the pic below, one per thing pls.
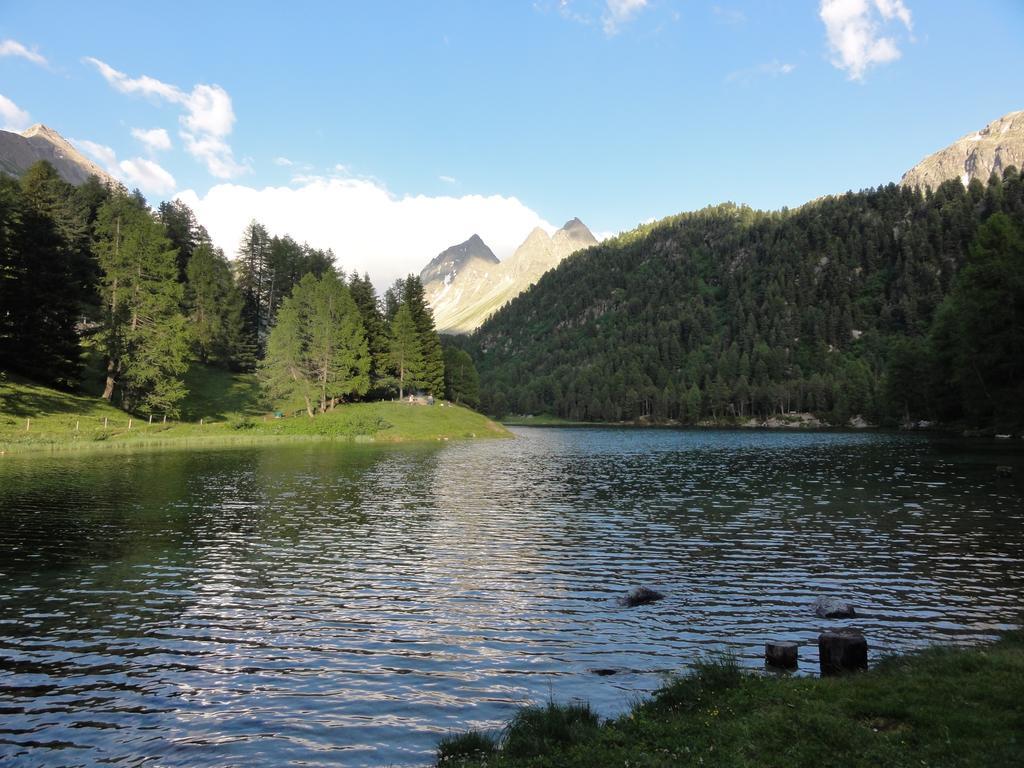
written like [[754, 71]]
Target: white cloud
[[448, 179], [137, 172], [856, 32], [206, 123], [13, 117], [283, 161], [619, 12], [369, 229], [147, 176], [153, 139], [14, 48], [103, 154]]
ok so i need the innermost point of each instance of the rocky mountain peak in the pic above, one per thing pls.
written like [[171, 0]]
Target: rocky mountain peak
[[450, 262], [977, 155], [19, 151]]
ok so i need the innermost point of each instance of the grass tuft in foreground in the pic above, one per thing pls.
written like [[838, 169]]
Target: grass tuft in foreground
[[939, 707]]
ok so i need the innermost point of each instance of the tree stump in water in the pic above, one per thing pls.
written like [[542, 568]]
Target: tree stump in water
[[842, 650], [781, 655]]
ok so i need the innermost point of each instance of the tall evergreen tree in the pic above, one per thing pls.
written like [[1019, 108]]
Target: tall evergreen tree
[[317, 349], [214, 306], [144, 337], [255, 279], [365, 298], [405, 350], [183, 231], [431, 376], [461, 381]]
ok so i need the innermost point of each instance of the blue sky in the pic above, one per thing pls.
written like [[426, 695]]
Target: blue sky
[[417, 124]]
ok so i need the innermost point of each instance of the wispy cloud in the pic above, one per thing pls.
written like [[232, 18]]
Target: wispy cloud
[[207, 120], [153, 139], [856, 32], [14, 48], [283, 162], [728, 15], [13, 117], [620, 12], [774, 68], [139, 172], [448, 179]]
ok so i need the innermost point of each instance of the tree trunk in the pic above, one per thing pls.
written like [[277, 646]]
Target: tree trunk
[[309, 406], [108, 389]]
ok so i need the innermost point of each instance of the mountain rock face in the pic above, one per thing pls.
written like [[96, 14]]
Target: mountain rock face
[[448, 265], [466, 284], [19, 151], [976, 156]]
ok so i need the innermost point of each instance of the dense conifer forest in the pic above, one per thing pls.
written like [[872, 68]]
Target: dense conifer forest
[[101, 293], [891, 304]]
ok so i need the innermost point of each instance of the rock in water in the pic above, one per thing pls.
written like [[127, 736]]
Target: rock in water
[[781, 655], [842, 650], [641, 596], [1004, 471], [831, 608]]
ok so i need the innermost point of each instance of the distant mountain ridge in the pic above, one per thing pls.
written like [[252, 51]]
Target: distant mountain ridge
[[466, 283], [977, 155], [19, 151]]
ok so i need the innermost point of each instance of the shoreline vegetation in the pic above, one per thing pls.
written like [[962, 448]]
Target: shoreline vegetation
[[787, 421], [960, 706], [219, 412]]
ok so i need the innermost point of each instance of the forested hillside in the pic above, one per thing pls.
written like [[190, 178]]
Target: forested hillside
[[888, 303]]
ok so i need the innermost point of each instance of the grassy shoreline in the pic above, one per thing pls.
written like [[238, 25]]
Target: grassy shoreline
[[941, 706], [35, 418]]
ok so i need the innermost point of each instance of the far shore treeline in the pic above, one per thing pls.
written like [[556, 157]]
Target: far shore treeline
[[893, 304], [99, 292]]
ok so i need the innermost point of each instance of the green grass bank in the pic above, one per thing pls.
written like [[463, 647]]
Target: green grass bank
[[937, 707], [221, 409]]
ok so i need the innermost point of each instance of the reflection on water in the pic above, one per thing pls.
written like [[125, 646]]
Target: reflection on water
[[321, 604]]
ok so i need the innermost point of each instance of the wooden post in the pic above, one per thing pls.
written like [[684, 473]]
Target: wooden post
[[76, 425], [151, 419], [165, 418], [104, 422], [129, 424], [842, 650], [28, 424], [781, 655]]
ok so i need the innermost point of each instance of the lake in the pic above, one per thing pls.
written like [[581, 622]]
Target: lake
[[324, 604]]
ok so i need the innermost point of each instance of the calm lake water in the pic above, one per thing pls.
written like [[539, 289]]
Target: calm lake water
[[323, 604]]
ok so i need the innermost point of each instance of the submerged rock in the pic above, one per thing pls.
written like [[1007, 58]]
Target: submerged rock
[[833, 608], [641, 596]]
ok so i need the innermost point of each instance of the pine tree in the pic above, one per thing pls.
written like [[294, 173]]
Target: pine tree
[[461, 381], [255, 280], [405, 353], [317, 348], [373, 322], [214, 306], [144, 336], [431, 376]]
